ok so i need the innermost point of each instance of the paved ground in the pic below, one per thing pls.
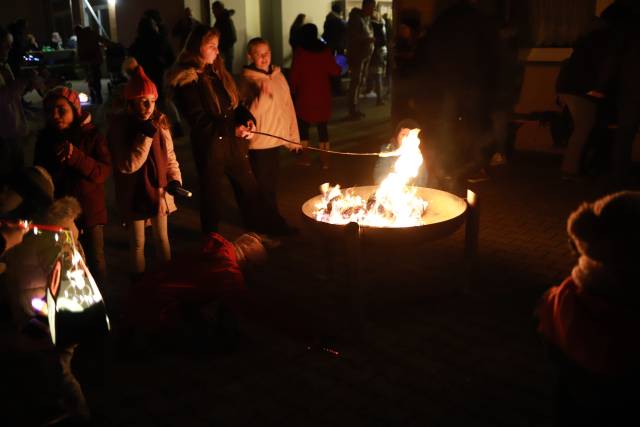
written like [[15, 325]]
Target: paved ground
[[440, 348]]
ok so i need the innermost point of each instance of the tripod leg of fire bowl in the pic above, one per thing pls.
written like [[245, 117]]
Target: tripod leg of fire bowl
[[472, 232], [354, 279]]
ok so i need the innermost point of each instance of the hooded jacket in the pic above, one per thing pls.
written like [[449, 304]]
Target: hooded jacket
[[84, 174], [205, 105], [268, 97]]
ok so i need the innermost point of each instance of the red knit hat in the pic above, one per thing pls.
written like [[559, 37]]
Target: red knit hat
[[140, 85], [69, 94]]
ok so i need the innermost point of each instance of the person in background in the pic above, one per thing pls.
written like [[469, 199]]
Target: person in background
[[623, 71], [335, 35], [591, 319], [335, 29], [147, 172], [360, 45], [156, 17], [154, 53], [265, 92], [56, 42], [294, 32], [313, 67], [508, 87], [403, 59], [73, 151], [13, 124], [183, 27], [72, 42], [378, 62], [385, 165], [458, 63], [90, 55], [32, 43], [224, 25], [18, 30], [581, 73], [207, 97]]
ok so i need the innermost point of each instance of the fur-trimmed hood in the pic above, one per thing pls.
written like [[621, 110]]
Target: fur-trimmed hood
[[181, 75]]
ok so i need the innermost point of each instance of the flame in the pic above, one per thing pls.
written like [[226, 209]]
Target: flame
[[394, 203]]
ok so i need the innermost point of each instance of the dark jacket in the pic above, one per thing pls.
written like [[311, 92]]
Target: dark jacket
[[84, 174], [206, 106], [195, 94], [154, 53], [335, 33], [586, 68], [227, 31], [359, 35]]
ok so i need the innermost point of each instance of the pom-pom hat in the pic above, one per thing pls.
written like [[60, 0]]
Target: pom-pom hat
[[140, 86], [70, 95]]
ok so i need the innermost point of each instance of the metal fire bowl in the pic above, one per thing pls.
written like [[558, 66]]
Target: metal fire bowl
[[445, 214]]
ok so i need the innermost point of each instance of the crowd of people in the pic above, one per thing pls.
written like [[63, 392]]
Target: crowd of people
[[464, 62]]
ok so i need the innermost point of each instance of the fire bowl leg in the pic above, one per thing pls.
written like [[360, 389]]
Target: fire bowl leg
[[472, 234], [354, 276]]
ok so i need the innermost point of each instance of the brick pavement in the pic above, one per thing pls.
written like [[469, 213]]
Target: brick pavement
[[439, 351]]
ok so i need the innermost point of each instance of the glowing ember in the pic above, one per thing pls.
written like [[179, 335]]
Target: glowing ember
[[393, 204]]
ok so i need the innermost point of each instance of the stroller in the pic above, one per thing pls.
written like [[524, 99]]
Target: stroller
[[115, 54]]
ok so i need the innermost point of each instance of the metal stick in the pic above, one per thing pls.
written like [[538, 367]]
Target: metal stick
[[343, 153]]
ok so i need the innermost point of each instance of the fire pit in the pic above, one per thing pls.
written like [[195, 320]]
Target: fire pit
[[444, 214], [394, 214]]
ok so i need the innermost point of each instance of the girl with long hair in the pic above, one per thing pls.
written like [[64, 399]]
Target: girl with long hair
[[206, 96]]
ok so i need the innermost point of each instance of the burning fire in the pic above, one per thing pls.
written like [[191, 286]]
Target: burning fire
[[393, 204]]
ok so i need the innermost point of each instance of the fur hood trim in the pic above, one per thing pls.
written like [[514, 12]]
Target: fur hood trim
[[180, 76], [62, 211]]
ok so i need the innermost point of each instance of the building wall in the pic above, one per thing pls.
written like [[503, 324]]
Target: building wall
[[315, 12], [34, 11]]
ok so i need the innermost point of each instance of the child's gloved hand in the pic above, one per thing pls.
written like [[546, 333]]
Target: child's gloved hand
[[148, 129]]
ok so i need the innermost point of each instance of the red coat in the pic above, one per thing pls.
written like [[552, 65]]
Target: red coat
[[191, 278], [597, 334], [83, 176], [310, 84]]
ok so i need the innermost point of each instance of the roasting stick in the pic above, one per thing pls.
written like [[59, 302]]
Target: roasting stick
[[344, 153]]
